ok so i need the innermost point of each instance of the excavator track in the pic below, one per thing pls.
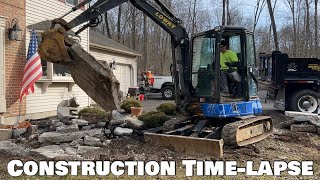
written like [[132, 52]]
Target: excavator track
[[247, 131]]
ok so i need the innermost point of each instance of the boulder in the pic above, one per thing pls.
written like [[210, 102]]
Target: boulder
[[10, 148], [74, 143], [70, 150], [116, 115], [18, 132], [95, 133], [68, 128], [49, 152], [62, 112], [115, 122], [134, 123], [80, 122], [84, 149], [91, 141], [56, 124], [122, 131], [101, 124], [55, 137], [5, 134]]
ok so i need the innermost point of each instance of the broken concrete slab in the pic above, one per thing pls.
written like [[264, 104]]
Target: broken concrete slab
[[303, 128], [84, 149], [48, 152], [119, 131], [5, 134], [31, 130], [11, 148], [300, 114], [18, 132], [85, 128], [91, 141], [101, 124], [56, 124], [315, 121], [63, 111], [95, 133], [55, 137], [74, 143], [70, 150], [80, 122], [68, 128]]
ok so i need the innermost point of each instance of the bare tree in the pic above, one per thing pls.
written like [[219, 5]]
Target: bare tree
[[119, 24], [257, 12], [291, 4], [223, 12], [273, 24], [316, 28], [107, 27], [145, 42]]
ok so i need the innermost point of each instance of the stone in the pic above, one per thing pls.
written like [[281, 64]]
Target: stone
[[10, 148], [84, 149], [80, 122], [318, 131], [93, 126], [68, 128], [123, 125], [134, 123], [18, 132], [117, 122], [91, 141], [101, 124], [85, 128], [80, 141], [54, 126], [63, 112], [5, 134], [70, 150], [315, 121], [303, 128], [31, 130], [74, 143], [122, 131], [49, 152], [116, 115], [55, 137], [73, 102], [95, 133]]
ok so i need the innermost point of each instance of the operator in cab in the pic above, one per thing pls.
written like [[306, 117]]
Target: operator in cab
[[227, 58]]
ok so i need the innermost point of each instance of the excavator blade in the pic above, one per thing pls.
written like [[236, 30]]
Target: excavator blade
[[187, 145], [247, 131], [53, 47]]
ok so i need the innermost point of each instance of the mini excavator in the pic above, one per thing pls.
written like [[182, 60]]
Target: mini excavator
[[219, 119]]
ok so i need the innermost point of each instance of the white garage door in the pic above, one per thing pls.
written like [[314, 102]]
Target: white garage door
[[124, 74]]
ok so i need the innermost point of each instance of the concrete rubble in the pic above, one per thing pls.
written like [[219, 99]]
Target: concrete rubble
[[304, 122]]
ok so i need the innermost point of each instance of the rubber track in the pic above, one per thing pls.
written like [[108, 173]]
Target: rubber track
[[229, 131]]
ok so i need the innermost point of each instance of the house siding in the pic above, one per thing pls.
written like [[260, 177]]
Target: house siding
[[121, 60], [42, 102]]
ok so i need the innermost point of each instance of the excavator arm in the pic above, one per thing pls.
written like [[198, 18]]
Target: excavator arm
[[157, 11]]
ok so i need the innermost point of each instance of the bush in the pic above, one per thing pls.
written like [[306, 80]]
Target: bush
[[128, 103], [153, 119], [93, 115], [168, 108]]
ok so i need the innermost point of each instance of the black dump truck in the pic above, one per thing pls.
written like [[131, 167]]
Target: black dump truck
[[293, 83]]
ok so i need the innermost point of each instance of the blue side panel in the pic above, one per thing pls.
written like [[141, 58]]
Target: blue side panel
[[231, 109]]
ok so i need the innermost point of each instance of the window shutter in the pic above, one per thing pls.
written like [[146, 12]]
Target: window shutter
[[2, 72]]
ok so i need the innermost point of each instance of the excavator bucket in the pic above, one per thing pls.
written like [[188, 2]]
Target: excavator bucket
[[53, 48], [187, 145]]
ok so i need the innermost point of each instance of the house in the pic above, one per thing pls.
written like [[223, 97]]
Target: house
[[56, 84]]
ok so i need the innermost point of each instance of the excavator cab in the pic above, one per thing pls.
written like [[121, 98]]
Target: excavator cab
[[207, 72]]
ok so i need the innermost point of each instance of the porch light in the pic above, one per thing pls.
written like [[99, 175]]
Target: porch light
[[15, 33]]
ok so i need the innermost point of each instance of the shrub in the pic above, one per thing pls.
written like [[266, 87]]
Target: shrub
[[153, 118], [128, 103], [93, 115], [168, 108]]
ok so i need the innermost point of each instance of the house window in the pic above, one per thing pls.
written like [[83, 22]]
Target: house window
[[72, 2]]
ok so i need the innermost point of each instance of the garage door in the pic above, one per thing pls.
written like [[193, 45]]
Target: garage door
[[123, 74]]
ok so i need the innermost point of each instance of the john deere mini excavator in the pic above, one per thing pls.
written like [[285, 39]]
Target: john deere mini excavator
[[196, 73]]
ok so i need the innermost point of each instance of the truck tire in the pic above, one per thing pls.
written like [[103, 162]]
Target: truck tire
[[305, 101], [167, 92]]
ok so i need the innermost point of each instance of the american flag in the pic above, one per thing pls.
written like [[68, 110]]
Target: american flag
[[33, 68]]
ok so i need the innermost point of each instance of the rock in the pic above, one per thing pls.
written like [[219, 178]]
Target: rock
[[10, 148], [117, 116], [73, 102], [49, 152], [74, 143], [95, 133], [64, 145], [117, 122], [66, 120], [31, 130], [134, 123], [63, 112], [107, 132], [315, 121], [5, 134], [101, 124], [55, 137], [54, 126], [80, 122], [91, 141], [122, 131], [106, 143], [84, 149], [68, 129], [70, 150], [93, 126], [18, 132], [85, 128], [318, 131], [80, 141]]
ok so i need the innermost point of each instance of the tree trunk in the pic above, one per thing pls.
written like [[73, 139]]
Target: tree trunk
[[308, 34], [133, 28], [119, 24], [107, 25], [145, 42], [223, 12], [273, 24], [316, 28]]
